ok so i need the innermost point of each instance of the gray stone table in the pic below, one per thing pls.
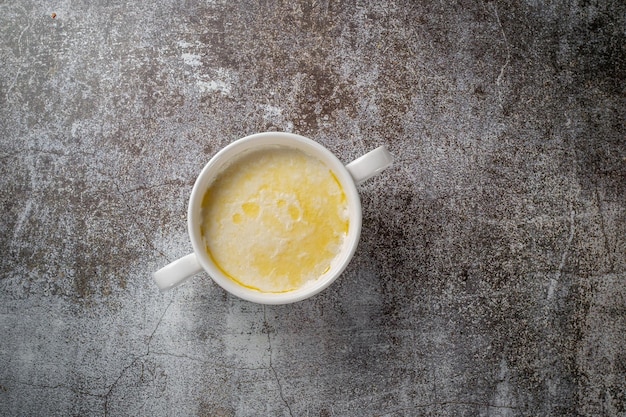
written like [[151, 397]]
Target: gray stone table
[[490, 279]]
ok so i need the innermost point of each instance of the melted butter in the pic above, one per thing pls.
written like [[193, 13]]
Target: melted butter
[[275, 220]]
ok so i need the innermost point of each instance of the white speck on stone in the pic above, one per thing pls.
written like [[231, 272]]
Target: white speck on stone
[[271, 113], [214, 85], [192, 60], [551, 287], [503, 399], [184, 44], [276, 116]]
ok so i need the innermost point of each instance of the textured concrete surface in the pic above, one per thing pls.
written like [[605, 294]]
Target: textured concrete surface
[[491, 275]]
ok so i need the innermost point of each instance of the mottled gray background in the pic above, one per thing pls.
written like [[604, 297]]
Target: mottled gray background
[[491, 275]]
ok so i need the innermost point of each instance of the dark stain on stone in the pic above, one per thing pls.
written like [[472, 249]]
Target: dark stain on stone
[[323, 94], [303, 77], [214, 410], [324, 412], [602, 162], [217, 31], [600, 46], [97, 236], [464, 270], [406, 229]]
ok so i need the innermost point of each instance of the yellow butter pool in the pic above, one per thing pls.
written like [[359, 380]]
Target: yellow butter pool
[[275, 219]]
